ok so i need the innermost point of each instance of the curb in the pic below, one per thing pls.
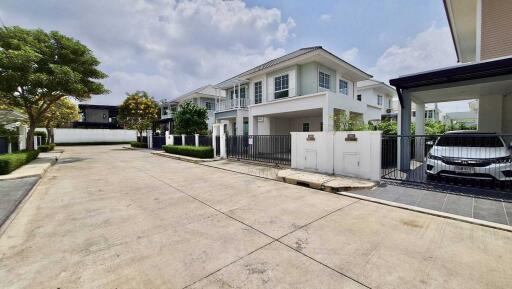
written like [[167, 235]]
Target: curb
[[182, 158]]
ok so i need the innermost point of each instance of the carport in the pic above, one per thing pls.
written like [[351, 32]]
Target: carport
[[490, 82]]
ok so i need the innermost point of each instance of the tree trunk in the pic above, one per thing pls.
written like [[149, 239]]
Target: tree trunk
[[30, 136]]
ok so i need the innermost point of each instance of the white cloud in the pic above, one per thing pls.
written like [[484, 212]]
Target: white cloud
[[430, 49], [325, 17], [163, 46], [350, 55]]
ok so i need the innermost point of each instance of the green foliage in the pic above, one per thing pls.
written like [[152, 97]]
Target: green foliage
[[387, 127], [42, 134], [191, 151], [191, 119], [352, 122], [46, 148], [37, 69], [138, 111], [137, 144], [10, 162]]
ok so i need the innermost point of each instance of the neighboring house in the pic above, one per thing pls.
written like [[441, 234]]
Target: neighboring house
[[300, 91], [468, 118], [14, 121], [204, 96], [97, 116], [482, 35], [432, 112], [377, 96]]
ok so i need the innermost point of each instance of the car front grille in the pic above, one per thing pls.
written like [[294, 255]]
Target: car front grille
[[467, 162]]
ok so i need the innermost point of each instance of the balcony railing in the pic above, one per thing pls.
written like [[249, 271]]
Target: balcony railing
[[228, 104]]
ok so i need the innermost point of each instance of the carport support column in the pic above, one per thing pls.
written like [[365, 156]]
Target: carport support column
[[404, 130], [223, 153], [196, 139], [328, 118], [419, 142]]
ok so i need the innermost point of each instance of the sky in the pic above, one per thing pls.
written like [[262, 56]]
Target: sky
[[168, 47]]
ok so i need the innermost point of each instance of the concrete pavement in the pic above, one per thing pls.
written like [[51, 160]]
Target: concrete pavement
[[114, 218]]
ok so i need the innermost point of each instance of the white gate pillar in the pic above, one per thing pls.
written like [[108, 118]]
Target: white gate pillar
[[149, 135], [419, 142], [182, 139], [168, 138], [196, 139], [223, 153]]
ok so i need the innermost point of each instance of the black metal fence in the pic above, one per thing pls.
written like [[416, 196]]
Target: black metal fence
[[190, 140], [274, 149], [158, 142], [177, 140], [460, 159]]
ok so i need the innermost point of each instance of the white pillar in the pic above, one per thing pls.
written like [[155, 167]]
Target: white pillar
[[214, 139], [168, 138], [196, 139], [150, 139], [238, 96], [419, 142], [223, 153], [9, 146], [35, 142], [327, 118], [182, 139]]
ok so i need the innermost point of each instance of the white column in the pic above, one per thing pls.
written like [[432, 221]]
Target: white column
[[167, 138], [196, 136], [9, 146], [238, 97], [327, 118], [150, 139], [182, 139], [419, 142], [223, 153], [214, 138]]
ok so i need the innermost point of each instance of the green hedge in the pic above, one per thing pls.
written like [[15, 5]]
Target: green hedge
[[10, 162], [136, 144], [46, 148], [191, 151]]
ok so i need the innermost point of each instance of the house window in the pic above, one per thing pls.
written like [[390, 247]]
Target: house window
[[321, 126], [209, 105], [343, 87], [414, 114], [281, 86], [234, 92], [305, 127], [324, 80], [379, 100], [258, 92], [359, 97]]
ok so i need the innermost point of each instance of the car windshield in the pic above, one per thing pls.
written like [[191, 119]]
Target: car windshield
[[490, 141]]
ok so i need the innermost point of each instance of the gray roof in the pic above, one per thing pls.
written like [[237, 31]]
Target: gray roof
[[280, 60]]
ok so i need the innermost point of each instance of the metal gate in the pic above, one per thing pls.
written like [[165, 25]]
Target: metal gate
[[274, 149], [482, 161], [158, 142]]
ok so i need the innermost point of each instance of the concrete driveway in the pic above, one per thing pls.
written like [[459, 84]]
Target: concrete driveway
[[105, 217]]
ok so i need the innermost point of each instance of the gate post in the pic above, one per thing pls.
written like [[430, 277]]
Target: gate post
[[167, 138], [150, 139], [182, 139], [223, 154], [196, 139]]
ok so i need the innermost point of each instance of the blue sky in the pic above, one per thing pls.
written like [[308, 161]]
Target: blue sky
[[169, 47]]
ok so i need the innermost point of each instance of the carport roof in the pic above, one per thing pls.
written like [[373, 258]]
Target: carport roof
[[453, 74]]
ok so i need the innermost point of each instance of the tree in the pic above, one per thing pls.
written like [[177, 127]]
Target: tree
[[61, 114], [138, 111], [191, 119], [37, 69]]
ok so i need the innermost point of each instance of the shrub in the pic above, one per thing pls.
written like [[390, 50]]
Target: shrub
[[191, 151], [136, 144], [10, 162], [46, 148], [42, 134]]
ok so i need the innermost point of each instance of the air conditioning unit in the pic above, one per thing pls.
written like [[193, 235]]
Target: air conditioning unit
[[388, 110]]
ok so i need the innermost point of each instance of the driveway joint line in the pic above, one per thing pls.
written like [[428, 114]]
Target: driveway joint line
[[506, 215], [257, 230]]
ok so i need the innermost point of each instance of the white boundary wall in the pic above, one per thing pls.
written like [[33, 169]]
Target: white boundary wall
[[336, 153], [82, 135]]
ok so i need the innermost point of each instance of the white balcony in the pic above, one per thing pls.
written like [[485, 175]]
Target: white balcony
[[229, 104]]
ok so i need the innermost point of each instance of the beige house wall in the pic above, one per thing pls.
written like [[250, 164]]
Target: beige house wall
[[496, 28]]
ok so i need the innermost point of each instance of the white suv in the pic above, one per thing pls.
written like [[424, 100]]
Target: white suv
[[471, 155]]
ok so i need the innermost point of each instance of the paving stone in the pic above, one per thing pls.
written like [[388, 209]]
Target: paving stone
[[459, 205], [489, 210], [432, 200]]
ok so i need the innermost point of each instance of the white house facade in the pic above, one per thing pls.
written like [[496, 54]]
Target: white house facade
[[378, 97], [205, 96], [300, 91]]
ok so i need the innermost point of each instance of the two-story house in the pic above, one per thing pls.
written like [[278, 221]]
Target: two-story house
[[378, 97], [300, 91], [204, 96]]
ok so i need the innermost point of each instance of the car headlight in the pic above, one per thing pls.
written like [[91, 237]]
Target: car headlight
[[503, 160]]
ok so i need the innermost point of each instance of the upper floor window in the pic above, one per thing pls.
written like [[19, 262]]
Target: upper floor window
[[379, 100], [343, 87], [281, 86], [359, 97], [324, 80], [209, 105], [258, 92], [234, 92], [305, 127], [165, 110]]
